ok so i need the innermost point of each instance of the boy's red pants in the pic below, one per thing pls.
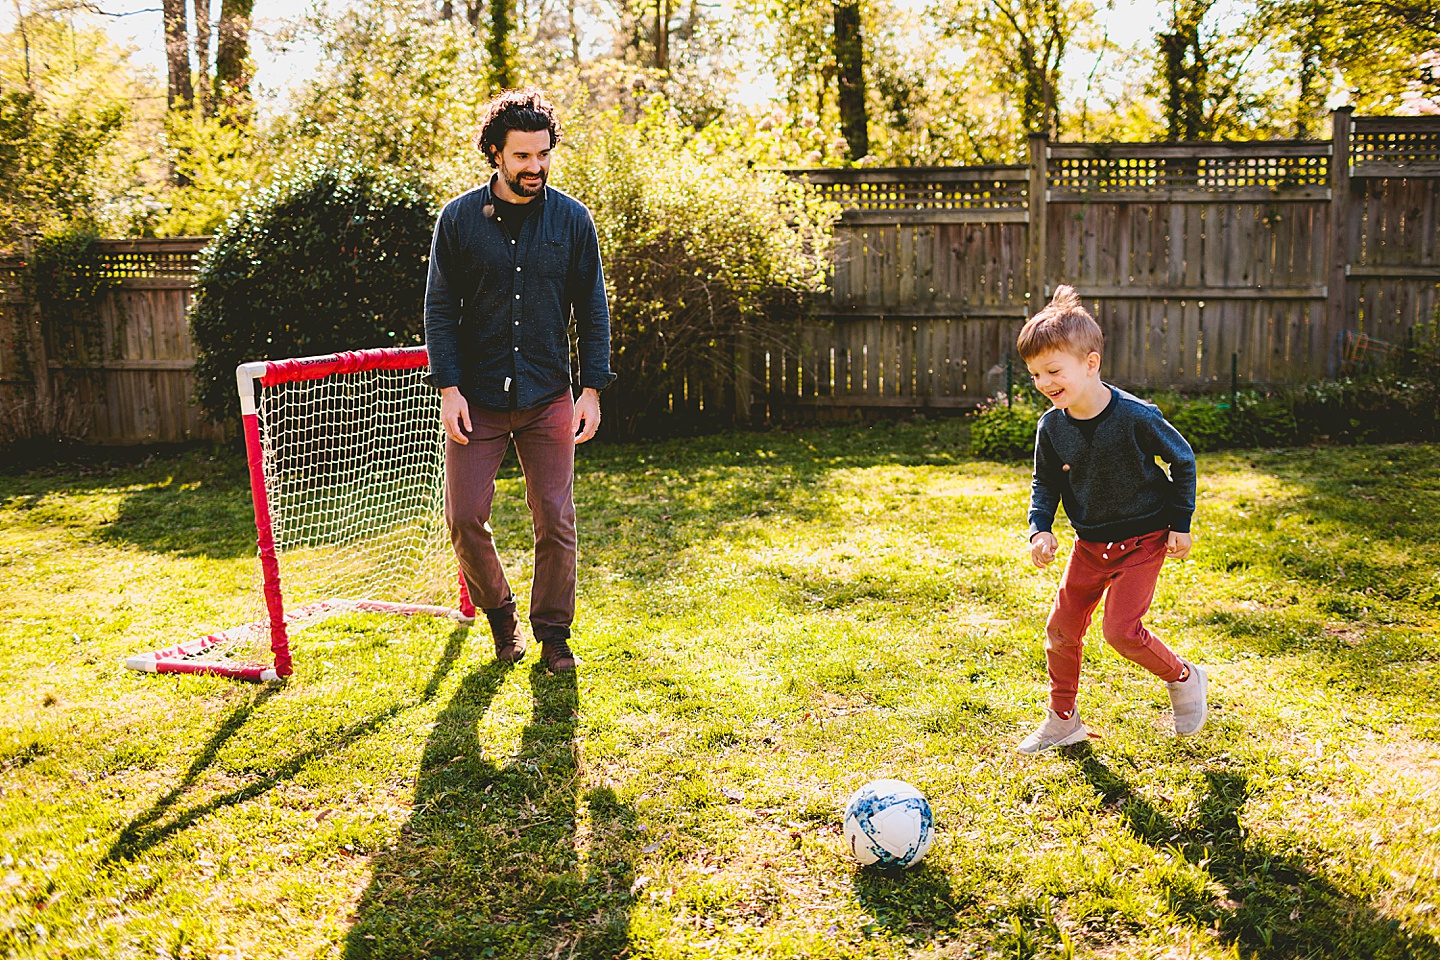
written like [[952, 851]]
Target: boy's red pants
[[1129, 570]]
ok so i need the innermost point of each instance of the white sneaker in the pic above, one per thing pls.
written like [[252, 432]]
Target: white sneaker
[[1054, 732], [1187, 698]]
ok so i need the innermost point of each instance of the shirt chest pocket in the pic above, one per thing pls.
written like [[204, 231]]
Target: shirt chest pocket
[[552, 259]]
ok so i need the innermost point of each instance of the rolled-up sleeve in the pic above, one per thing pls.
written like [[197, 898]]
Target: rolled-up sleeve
[[443, 289], [591, 309]]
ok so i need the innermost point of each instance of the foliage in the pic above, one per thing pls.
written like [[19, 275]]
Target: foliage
[[1005, 430], [1023, 42], [330, 256], [1385, 53], [71, 105], [218, 160], [781, 617], [65, 275], [700, 255]]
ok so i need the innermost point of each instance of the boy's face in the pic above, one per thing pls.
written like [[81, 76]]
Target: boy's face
[[1065, 378]]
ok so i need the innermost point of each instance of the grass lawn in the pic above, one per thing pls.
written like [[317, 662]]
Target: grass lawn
[[766, 622]]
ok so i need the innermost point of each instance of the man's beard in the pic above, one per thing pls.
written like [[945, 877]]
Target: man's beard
[[520, 189]]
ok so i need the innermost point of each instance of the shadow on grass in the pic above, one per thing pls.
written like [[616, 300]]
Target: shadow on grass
[[917, 903], [147, 830], [493, 862], [1278, 907], [192, 502]]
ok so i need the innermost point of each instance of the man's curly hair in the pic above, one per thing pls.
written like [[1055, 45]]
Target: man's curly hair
[[524, 110]]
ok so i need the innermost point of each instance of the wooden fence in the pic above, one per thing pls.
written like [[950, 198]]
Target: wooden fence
[[122, 377], [1188, 254]]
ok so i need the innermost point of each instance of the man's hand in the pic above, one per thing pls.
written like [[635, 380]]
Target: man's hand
[[1042, 549], [587, 415], [454, 413], [1177, 545]]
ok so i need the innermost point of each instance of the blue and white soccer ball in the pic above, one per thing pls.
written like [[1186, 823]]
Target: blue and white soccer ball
[[888, 824]]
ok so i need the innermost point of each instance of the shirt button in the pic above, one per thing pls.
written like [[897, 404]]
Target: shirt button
[[517, 349], [517, 269], [517, 323], [517, 297], [512, 243]]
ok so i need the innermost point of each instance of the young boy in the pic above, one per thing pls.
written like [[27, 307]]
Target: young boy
[[1095, 452]]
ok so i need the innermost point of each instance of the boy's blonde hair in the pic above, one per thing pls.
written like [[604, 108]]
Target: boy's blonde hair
[[1064, 324]]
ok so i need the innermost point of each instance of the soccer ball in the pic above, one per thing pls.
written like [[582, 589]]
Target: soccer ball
[[888, 823]]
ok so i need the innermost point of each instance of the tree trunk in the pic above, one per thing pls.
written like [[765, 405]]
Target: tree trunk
[[662, 35], [178, 92], [232, 57], [850, 69], [202, 56], [472, 14], [574, 34], [1186, 72], [502, 70]]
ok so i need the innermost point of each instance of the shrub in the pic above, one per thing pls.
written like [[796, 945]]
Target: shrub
[[331, 256], [1004, 431], [701, 254]]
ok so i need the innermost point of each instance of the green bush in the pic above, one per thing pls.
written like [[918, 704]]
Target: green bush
[[331, 256], [702, 256], [1006, 431]]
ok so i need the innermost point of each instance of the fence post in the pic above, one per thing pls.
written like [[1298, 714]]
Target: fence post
[[1039, 144], [36, 347], [742, 382], [1339, 239]]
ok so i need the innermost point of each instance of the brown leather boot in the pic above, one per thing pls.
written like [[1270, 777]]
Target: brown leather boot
[[505, 629], [558, 657]]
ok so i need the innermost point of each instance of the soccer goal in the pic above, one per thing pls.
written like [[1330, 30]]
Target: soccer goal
[[347, 467]]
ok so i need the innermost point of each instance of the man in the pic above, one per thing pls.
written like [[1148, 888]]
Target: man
[[511, 263]]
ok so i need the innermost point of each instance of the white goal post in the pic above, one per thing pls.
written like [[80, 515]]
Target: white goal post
[[346, 455]]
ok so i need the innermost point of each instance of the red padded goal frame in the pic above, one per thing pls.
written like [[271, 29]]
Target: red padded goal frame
[[177, 659]]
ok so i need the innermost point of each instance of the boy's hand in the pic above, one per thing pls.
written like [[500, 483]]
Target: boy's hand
[[1042, 549], [1177, 545]]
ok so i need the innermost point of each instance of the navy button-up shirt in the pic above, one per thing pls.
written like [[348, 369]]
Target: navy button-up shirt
[[498, 311]]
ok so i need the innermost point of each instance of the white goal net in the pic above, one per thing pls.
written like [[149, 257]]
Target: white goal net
[[347, 465]]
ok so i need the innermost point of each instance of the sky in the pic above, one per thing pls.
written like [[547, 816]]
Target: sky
[[282, 65]]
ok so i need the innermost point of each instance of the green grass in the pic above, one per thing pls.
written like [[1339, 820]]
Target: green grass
[[778, 616]]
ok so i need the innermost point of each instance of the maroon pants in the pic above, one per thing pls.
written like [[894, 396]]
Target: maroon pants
[[545, 440], [1128, 570]]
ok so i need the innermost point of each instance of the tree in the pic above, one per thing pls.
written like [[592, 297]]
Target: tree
[[233, 69], [179, 92], [1025, 43], [68, 98], [500, 46], [850, 72], [1184, 68], [1383, 52], [202, 56]]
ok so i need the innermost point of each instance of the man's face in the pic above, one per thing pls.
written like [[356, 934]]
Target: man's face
[[525, 161]]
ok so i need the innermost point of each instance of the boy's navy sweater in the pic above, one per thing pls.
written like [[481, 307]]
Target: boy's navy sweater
[[1110, 484]]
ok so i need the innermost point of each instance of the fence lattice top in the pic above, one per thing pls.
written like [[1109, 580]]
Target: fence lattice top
[[1381, 146], [171, 257], [1215, 167], [923, 188]]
